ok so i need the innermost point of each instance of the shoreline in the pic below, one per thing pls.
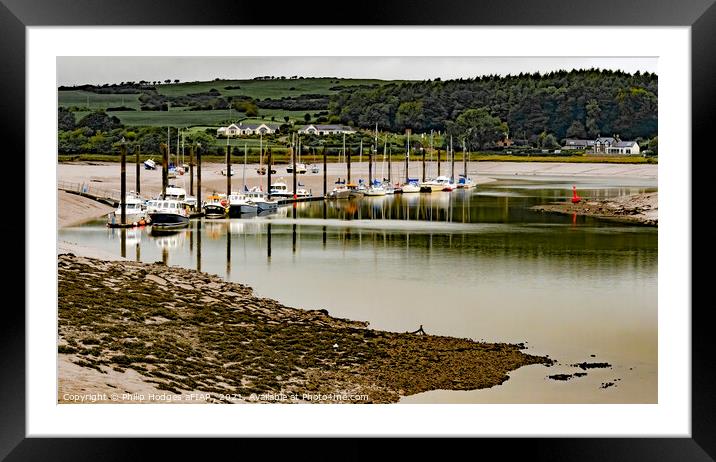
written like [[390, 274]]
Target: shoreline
[[74, 209], [136, 330], [639, 209]]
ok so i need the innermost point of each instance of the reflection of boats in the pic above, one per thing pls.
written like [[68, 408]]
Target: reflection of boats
[[149, 164], [216, 206], [135, 211], [171, 241], [168, 214]]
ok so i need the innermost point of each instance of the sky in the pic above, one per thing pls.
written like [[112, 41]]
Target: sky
[[77, 70]]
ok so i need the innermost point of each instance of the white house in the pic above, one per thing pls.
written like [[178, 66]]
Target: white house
[[248, 129], [603, 145], [326, 130]]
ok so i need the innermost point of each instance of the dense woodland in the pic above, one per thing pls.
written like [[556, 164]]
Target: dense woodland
[[580, 104]]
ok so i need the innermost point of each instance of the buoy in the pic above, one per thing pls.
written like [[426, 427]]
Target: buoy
[[575, 196]]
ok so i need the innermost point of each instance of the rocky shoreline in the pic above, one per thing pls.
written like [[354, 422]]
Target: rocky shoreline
[[188, 333], [641, 209]]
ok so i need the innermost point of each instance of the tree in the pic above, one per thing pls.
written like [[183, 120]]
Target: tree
[[577, 130], [477, 127], [593, 113], [176, 80], [410, 115], [99, 121], [65, 119], [547, 141], [285, 118], [307, 117]]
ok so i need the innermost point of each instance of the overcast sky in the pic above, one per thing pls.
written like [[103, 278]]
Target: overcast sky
[[76, 70]]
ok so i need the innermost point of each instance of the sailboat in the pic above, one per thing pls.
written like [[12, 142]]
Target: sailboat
[[464, 182]]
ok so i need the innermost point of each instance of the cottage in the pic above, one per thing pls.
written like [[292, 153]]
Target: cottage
[[603, 145], [326, 130], [247, 129]]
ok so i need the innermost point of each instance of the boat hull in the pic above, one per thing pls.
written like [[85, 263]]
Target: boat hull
[[342, 194], [267, 206], [214, 211], [168, 221], [248, 208]]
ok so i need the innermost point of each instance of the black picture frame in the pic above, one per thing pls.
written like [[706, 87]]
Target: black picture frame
[[700, 15]]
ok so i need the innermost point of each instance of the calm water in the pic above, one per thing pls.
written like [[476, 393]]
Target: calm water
[[475, 264]]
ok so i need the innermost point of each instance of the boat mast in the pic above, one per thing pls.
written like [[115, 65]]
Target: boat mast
[[407, 159], [431, 149], [243, 179]]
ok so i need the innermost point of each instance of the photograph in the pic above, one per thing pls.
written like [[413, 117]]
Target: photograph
[[357, 229]]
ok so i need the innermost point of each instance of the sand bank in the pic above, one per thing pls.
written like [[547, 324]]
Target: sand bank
[[136, 328], [638, 208]]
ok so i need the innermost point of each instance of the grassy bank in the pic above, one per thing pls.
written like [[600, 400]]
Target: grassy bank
[[281, 155]]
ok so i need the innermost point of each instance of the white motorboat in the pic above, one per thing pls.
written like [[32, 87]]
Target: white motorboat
[[261, 200], [314, 168], [135, 211], [300, 168], [149, 164], [280, 189], [438, 184], [240, 204]]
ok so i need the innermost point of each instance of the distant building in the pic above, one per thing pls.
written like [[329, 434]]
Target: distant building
[[603, 145], [247, 129], [326, 130]]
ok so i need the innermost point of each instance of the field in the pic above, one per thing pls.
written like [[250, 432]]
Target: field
[[260, 89], [96, 101], [182, 118]]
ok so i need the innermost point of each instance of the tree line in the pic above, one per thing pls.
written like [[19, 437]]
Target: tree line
[[579, 103]]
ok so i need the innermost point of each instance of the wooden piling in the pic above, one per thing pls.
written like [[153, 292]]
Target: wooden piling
[[348, 166], [198, 178], [165, 166], [325, 173], [423, 153], [123, 182], [138, 170], [268, 173], [191, 172], [370, 169], [293, 155], [228, 170]]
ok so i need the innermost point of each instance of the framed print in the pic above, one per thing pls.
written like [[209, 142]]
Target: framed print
[[431, 223]]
